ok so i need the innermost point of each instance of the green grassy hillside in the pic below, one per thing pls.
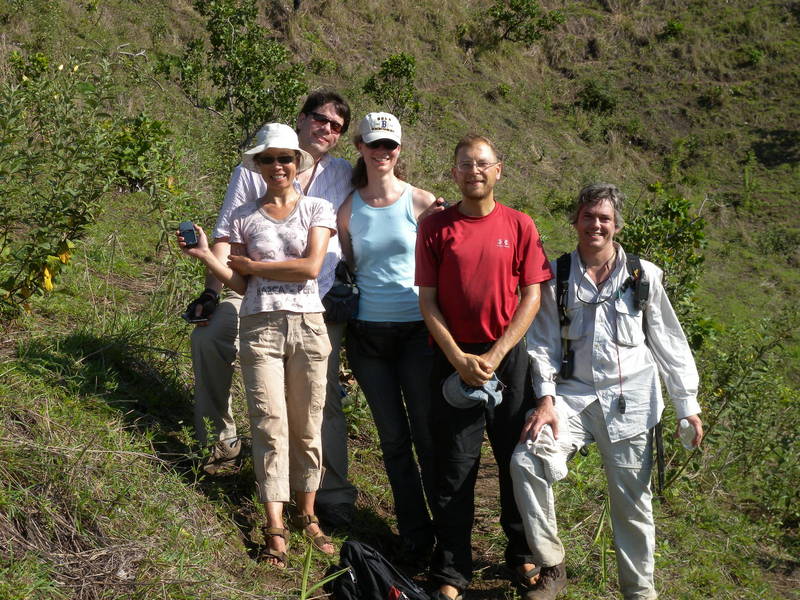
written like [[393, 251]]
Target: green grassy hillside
[[101, 494]]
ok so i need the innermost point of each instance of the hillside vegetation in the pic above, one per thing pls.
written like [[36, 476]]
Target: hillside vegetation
[[120, 118]]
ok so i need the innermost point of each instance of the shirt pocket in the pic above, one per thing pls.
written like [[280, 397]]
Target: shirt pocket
[[575, 329], [629, 322]]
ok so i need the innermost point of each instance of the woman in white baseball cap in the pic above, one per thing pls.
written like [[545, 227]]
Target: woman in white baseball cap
[[387, 345], [277, 248]]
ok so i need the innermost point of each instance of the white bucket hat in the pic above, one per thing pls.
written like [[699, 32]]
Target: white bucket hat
[[380, 126], [276, 135]]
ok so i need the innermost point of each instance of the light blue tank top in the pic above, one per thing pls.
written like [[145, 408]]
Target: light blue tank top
[[383, 241]]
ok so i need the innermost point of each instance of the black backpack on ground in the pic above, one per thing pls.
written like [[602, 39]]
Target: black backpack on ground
[[371, 577]]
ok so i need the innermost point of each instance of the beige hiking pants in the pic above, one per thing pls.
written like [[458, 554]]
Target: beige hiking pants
[[627, 464], [284, 358]]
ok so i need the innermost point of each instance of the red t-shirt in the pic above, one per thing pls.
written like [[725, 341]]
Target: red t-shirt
[[477, 264]]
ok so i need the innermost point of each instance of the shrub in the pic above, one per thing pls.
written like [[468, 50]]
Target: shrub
[[522, 21], [751, 56], [62, 148], [140, 147], [672, 29], [714, 97], [595, 98], [254, 81], [667, 234], [753, 418], [393, 87]]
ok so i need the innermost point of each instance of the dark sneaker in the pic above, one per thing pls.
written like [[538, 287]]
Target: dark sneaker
[[552, 580], [335, 516], [224, 458]]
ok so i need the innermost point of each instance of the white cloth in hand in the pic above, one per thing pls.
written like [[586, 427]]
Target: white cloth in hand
[[553, 452]]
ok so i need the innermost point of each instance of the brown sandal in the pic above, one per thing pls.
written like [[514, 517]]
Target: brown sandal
[[267, 552], [528, 579], [319, 539]]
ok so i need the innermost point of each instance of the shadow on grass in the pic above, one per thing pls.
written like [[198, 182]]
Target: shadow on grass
[[777, 147], [142, 385], [123, 373]]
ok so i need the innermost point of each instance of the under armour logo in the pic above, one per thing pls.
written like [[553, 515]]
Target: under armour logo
[[501, 243]]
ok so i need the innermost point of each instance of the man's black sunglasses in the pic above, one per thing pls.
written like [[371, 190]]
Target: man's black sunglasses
[[385, 144], [336, 127], [266, 159]]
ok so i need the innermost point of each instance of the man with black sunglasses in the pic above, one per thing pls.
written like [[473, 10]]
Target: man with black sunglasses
[[324, 117]]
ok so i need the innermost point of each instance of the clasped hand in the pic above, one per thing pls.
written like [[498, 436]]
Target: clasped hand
[[476, 369]]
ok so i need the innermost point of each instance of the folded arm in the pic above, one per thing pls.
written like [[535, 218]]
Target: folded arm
[[296, 269]]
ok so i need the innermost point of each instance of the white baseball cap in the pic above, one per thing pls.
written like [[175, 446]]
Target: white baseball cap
[[380, 126], [276, 135]]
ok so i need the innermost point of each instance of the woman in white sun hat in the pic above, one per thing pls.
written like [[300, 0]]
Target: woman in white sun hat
[[387, 345], [277, 248]]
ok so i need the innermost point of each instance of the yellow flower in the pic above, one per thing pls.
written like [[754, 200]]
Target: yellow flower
[[47, 279], [64, 256]]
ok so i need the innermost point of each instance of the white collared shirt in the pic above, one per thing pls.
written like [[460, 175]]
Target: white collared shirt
[[606, 334], [331, 182]]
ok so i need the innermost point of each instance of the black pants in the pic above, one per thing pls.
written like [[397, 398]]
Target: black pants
[[458, 436], [392, 363]]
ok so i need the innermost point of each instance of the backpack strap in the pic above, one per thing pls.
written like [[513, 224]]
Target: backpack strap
[[563, 265]]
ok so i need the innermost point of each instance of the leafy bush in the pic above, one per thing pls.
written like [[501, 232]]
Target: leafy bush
[[595, 98], [522, 21], [753, 418], [254, 80], [751, 56], [141, 146], [667, 234], [393, 87], [62, 148], [518, 21], [672, 29], [714, 97]]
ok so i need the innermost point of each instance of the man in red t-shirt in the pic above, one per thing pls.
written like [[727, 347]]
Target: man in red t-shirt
[[478, 267]]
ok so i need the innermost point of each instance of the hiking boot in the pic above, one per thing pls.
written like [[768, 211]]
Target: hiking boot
[[551, 581], [224, 457]]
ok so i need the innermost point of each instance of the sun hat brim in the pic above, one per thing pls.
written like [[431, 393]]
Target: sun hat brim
[[276, 135]]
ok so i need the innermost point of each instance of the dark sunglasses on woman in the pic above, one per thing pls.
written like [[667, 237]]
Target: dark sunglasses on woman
[[385, 144], [266, 159]]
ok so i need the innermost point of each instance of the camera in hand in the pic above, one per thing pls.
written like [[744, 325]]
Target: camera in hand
[[191, 318], [188, 233]]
